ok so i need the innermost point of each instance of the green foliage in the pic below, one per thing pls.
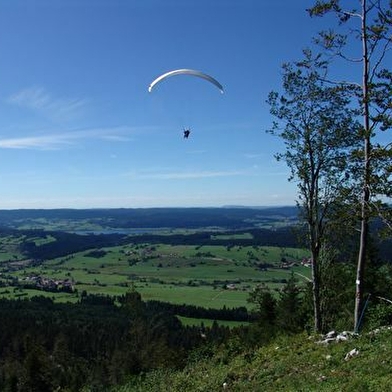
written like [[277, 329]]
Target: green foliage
[[366, 27], [264, 328], [295, 363], [265, 302], [46, 346], [289, 311], [282, 313], [96, 253], [337, 297], [319, 129], [379, 315]]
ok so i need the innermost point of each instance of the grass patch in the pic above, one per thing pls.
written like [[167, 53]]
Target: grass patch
[[295, 363]]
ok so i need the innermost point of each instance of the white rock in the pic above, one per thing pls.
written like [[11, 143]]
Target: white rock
[[330, 335], [354, 352]]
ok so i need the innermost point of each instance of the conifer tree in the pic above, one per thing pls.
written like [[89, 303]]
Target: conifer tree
[[289, 306]]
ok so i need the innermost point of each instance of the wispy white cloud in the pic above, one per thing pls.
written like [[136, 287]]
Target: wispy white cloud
[[179, 175], [56, 141], [40, 100], [48, 142]]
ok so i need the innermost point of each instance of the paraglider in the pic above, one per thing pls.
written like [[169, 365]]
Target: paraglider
[[185, 71], [186, 133]]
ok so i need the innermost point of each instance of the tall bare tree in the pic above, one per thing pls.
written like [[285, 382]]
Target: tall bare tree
[[318, 127], [365, 30]]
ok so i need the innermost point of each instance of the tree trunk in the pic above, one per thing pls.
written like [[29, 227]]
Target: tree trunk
[[316, 294], [361, 263], [314, 250], [366, 176]]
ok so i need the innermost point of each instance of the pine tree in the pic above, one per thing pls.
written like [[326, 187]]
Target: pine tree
[[289, 316]]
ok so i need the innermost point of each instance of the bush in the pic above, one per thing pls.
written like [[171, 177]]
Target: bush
[[379, 315]]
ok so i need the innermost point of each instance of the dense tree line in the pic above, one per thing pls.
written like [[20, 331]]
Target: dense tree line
[[230, 314], [102, 341], [68, 243], [45, 346]]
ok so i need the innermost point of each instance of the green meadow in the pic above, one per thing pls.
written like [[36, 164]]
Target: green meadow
[[207, 276]]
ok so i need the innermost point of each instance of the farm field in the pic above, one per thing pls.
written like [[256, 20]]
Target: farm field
[[208, 276]]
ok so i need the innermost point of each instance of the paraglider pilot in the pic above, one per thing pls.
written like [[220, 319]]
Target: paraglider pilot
[[186, 133]]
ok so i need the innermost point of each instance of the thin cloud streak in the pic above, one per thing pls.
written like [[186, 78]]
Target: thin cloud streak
[[49, 142], [38, 99], [189, 175], [57, 141], [184, 175]]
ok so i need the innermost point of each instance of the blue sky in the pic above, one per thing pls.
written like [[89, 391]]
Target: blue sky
[[79, 129]]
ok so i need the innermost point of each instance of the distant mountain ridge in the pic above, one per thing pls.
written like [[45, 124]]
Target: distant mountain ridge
[[172, 217]]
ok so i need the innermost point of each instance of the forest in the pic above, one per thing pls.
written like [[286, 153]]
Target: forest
[[103, 341], [68, 243], [46, 346]]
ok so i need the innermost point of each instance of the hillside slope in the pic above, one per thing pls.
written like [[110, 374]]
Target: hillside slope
[[296, 363]]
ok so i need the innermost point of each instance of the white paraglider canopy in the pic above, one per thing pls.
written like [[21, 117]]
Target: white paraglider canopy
[[186, 71]]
